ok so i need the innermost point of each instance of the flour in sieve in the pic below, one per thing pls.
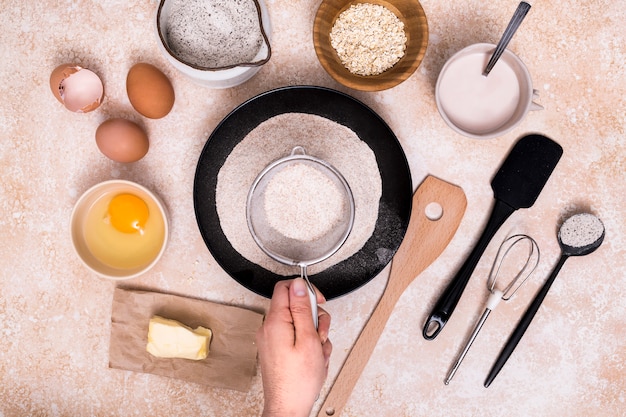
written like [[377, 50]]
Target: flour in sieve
[[302, 203], [274, 139]]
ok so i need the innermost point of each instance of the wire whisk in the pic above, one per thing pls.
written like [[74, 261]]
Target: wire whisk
[[496, 294]]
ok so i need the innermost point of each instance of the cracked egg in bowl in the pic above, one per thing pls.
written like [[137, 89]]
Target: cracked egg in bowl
[[119, 229]]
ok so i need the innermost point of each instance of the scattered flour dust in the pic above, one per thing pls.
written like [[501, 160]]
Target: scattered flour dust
[[274, 139], [302, 203]]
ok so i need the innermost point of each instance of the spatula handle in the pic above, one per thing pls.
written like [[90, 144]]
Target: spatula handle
[[359, 356], [424, 241], [447, 302]]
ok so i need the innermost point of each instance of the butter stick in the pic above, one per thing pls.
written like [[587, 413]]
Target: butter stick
[[171, 339]]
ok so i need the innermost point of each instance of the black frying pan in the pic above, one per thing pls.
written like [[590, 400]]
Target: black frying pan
[[395, 203]]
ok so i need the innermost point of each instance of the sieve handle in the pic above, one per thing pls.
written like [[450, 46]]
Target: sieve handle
[[312, 294], [313, 299]]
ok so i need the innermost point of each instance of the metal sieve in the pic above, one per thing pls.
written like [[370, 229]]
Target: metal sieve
[[292, 251]]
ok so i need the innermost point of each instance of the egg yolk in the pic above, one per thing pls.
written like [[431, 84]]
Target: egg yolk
[[128, 213]]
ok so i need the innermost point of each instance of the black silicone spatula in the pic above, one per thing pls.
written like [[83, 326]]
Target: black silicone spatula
[[516, 185]]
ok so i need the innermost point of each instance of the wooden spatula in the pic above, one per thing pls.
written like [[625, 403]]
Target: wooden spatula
[[426, 238]]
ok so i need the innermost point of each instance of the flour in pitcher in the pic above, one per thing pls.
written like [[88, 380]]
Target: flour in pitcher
[[214, 33]]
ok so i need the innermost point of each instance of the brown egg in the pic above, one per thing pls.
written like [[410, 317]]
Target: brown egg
[[149, 91], [122, 140], [78, 89]]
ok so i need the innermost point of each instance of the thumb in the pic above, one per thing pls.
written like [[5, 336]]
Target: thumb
[[301, 309]]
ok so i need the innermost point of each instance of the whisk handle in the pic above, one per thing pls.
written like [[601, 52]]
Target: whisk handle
[[523, 324]]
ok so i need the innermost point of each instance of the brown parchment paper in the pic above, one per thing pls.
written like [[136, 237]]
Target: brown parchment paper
[[231, 362]]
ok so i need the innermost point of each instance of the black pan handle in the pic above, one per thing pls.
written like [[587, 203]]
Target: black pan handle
[[447, 302]]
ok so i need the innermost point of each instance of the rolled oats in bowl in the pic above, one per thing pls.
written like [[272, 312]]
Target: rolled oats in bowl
[[368, 38], [370, 45]]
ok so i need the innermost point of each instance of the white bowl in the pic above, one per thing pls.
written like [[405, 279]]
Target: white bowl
[[80, 213], [484, 107], [215, 78]]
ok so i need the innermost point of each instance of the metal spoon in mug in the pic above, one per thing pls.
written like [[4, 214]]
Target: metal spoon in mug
[[516, 21], [579, 235]]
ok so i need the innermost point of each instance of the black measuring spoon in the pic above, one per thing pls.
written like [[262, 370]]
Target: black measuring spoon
[[516, 185], [579, 235]]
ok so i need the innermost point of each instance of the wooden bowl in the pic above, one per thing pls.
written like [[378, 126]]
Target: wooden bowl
[[410, 12]]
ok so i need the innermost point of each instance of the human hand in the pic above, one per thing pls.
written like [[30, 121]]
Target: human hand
[[293, 354]]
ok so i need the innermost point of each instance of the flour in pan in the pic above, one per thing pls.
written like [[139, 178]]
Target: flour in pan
[[274, 139]]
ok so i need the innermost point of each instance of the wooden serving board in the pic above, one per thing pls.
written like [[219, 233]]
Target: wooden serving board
[[424, 241]]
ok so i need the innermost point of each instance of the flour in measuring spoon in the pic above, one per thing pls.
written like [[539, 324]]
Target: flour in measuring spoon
[[476, 103]]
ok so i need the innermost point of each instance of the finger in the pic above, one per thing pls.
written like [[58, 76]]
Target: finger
[[323, 326], [278, 321], [279, 304], [301, 310], [327, 350]]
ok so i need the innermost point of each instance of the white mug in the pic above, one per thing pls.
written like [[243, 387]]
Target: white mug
[[482, 106]]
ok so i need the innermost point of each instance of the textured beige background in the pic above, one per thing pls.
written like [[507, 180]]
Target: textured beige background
[[55, 316]]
